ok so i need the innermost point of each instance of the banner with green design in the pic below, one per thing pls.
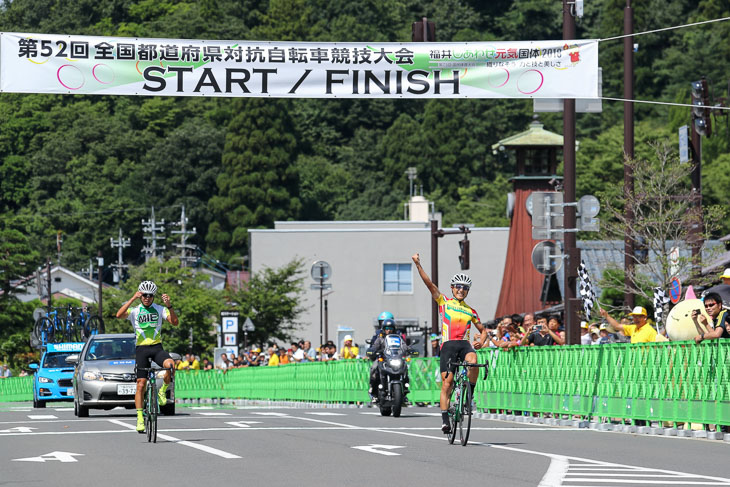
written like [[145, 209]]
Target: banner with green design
[[48, 63]]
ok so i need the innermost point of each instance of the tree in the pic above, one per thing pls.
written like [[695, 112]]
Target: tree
[[664, 214], [272, 299], [196, 305]]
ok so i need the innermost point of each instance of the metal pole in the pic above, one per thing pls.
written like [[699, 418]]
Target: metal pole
[[629, 299], [434, 274], [48, 273], [572, 320], [321, 322], [696, 228], [326, 322], [101, 313]]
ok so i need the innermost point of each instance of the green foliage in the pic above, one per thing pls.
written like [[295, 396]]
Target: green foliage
[[196, 305], [272, 299]]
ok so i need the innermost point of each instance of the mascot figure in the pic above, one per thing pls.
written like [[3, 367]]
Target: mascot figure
[[680, 325]]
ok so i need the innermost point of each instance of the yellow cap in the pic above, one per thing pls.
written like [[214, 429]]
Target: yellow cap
[[726, 274]]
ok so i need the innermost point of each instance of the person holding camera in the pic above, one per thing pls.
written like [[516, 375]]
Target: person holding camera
[[541, 334], [720, 319]]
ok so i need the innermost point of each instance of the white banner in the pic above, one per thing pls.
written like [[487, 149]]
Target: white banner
[[46, 63]]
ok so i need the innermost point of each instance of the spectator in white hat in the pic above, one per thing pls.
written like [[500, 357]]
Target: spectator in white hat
[[348, 350], [640, 331], [585, 336]]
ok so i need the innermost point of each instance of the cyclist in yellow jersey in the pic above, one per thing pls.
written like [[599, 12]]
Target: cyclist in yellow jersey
[[456, 319], [147, 321]]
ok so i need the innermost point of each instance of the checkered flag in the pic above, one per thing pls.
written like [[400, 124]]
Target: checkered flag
[[587, 294], [660, 299]]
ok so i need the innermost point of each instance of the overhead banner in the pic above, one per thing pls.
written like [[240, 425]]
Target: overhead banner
[[46, 63]]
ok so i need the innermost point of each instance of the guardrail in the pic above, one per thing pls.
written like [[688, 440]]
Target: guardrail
[[670, 381]]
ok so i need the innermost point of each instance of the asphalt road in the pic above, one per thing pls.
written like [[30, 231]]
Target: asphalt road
[[205, 446]]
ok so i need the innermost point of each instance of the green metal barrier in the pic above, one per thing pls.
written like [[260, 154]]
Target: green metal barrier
[[16, 389], [671, 381]]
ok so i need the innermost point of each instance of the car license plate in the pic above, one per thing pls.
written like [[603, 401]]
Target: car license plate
[[126, 389], [70, 391]]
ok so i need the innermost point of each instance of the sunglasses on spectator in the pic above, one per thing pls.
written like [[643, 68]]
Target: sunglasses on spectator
[[461, 286], [148, 295], [710, 305]]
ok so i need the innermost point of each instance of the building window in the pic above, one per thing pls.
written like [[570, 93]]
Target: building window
[[397, 278]]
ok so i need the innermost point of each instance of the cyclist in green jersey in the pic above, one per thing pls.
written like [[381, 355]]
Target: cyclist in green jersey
[[147, 321]]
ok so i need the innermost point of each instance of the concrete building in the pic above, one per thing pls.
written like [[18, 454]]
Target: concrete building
[[372, 270]]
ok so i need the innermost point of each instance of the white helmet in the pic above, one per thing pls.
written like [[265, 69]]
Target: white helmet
[[147, 287], [461, 279]]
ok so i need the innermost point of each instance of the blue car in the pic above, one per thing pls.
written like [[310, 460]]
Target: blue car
[[53, 379]]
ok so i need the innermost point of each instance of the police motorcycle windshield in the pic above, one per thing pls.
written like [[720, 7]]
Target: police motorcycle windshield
[[393, 354]]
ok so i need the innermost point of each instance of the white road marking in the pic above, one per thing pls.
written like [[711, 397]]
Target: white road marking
[[42, 416], [327, 414], [271, 414], [375, 449], [555, 473], [205, 448], [18, 429], [215, 414], [243, 424], [58, 456]]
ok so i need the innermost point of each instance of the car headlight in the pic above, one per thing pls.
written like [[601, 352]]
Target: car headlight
[[91, 375], [396, 362], [44, 380]]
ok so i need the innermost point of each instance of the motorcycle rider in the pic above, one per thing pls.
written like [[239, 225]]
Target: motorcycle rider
[[376, 350]]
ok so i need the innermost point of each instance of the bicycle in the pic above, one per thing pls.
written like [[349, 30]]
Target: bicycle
[[460, 408], [87, 324], [151, 407]]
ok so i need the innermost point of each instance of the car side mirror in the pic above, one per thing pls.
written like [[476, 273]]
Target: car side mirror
[[72, 359], [33, 366]]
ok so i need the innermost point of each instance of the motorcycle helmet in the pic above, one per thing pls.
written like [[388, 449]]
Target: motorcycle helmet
[[388, 324], [385, 315], [147, 287]]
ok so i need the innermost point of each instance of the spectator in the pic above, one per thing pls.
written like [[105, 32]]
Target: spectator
[[5, 372], [349, 351], [585, 334], [595, 335], [225, 363], [297, 353], [435, 345], [283, 358], [605, 337], [206, 365], [310, 352], [527, 322], [273, 357], [542, 334], [720, 318], [329, 352], [23, 373], [726, 276], [517, 321], [640, 331]]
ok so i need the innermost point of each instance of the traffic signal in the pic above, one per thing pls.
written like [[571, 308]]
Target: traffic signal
[[464, 256], [700, 113]]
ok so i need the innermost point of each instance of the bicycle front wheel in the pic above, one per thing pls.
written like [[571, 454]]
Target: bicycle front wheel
[[465, 423], [92, 327], [154, 412]]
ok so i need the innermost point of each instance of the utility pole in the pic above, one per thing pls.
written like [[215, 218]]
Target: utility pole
[[121, 242], [572, 303], [152, 226], [628, 153], [183, 246], [59, 241]]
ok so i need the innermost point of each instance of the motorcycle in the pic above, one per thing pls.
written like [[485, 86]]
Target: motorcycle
[[392, 370]]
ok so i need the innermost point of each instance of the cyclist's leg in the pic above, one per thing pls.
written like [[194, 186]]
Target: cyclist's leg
[[142, 361], [473, 372], [163, 358]]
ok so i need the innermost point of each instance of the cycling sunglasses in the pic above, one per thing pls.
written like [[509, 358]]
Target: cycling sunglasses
[[148, 295], [461, 286]]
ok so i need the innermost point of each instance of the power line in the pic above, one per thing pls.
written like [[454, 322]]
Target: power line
[[651, 102], [663, 29], [123, 210]]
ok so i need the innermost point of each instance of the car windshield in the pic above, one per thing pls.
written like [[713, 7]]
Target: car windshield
[[56, 360], [110, 349]]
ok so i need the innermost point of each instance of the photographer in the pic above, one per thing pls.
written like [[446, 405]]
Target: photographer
[[541, 334]]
